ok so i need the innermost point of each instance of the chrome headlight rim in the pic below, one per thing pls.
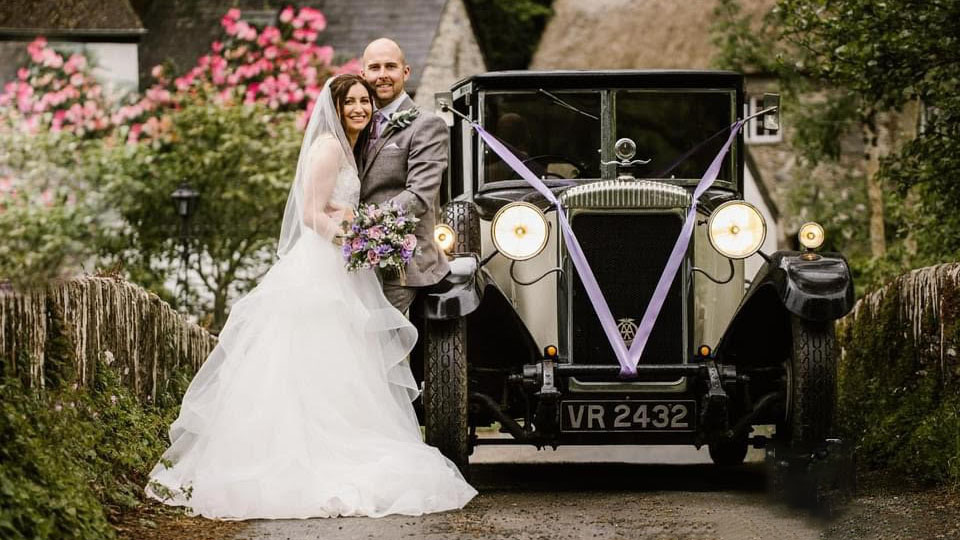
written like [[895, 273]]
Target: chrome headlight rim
[[717, 212], [811, 242], [443, 228], [497, 242]]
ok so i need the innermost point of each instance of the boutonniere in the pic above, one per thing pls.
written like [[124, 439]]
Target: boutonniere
[[402, 119]]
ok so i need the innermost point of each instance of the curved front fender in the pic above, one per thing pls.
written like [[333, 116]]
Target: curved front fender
[[459, 293], [817, 290]]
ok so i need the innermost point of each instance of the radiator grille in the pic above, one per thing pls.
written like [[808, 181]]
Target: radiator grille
[[627, 253]]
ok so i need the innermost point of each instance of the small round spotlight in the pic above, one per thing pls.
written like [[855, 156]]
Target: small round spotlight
[[444, 237], [811, 235]]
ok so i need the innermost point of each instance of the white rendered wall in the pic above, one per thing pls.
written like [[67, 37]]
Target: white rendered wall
[[117, 65], [751, 194]]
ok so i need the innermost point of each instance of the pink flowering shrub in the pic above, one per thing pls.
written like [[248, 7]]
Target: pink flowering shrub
[[282, 67], [66, 175], [56, 93]]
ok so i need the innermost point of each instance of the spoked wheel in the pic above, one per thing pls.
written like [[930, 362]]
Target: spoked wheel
[[445, 390]]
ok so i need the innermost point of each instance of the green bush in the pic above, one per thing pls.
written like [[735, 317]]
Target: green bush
[[49, 212], [241, 159], [72, 459]]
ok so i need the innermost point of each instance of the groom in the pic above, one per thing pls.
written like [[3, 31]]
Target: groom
[[404, 162]]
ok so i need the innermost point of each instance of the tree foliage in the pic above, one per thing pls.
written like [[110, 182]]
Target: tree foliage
[[508, 30], [240, 160], [846, 64], [49, 216], [86, 181]]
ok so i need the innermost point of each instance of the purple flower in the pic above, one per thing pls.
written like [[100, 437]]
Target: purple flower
[[384, 250], [407, 254], [409, 242], [346, 250]]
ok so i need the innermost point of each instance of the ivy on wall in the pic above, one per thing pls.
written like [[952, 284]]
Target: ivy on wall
[[899, 376]]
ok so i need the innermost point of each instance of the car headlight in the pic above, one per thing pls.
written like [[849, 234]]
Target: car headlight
[[811, 235], [519, 231], [737, 229], [444, 237]]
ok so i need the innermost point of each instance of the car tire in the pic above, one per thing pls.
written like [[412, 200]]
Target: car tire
[[445, 392], [464, 218], [812, 380], [729, 452]]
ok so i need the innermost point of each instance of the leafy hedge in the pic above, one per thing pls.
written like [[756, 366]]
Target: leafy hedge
[[900, 375], [72, 459]]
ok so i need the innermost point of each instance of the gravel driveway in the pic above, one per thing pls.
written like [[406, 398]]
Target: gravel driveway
[[635, 493]]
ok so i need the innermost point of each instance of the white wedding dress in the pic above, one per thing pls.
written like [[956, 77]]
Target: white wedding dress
[[304, 407]]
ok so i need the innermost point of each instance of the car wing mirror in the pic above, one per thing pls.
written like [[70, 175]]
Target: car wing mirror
[[443, 105], [771, 119]]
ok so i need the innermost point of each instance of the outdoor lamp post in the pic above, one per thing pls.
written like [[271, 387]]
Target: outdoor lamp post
[[185, 199]]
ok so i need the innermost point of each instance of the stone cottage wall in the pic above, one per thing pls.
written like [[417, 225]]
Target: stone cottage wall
[[454, 54]]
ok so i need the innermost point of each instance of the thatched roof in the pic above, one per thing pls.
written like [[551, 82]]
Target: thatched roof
[[58, 18], [610, 34]]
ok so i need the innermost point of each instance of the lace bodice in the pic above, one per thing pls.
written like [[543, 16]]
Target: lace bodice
[[347, 190]]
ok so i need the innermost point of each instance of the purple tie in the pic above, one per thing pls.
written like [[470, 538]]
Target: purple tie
[[375, 131]]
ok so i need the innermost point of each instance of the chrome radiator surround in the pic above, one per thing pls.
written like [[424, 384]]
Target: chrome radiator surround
[[626, 194]]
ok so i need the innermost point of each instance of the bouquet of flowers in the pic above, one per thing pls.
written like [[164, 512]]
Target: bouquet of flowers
[[381, 236]]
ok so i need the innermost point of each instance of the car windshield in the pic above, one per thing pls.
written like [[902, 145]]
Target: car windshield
[[558, 134], [555, 133], [666, 125]]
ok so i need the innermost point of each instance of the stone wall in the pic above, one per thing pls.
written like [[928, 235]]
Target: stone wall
[[454, 54], [899, 374], [90, 319]]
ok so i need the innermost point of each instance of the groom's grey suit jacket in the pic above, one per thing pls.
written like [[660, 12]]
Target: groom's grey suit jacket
[[407, 165]]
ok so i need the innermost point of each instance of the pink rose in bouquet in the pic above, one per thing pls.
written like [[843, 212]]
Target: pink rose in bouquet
[[409, 242]]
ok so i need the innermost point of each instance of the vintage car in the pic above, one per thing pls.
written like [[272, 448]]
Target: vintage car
[[510, 337]]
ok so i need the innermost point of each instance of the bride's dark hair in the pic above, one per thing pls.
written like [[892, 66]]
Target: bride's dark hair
[[339, 88]]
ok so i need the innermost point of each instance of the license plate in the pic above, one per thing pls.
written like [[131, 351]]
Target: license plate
[[628, 416]]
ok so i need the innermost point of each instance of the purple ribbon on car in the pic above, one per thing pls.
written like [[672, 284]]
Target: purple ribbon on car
[[629, 359]]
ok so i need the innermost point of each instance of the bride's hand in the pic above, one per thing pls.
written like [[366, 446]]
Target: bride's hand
[[344, 210], [348, 214]]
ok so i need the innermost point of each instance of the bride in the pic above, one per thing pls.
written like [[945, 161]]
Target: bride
[[304, 409]]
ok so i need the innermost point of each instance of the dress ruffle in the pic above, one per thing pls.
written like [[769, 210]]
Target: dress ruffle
[[304, 407]]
